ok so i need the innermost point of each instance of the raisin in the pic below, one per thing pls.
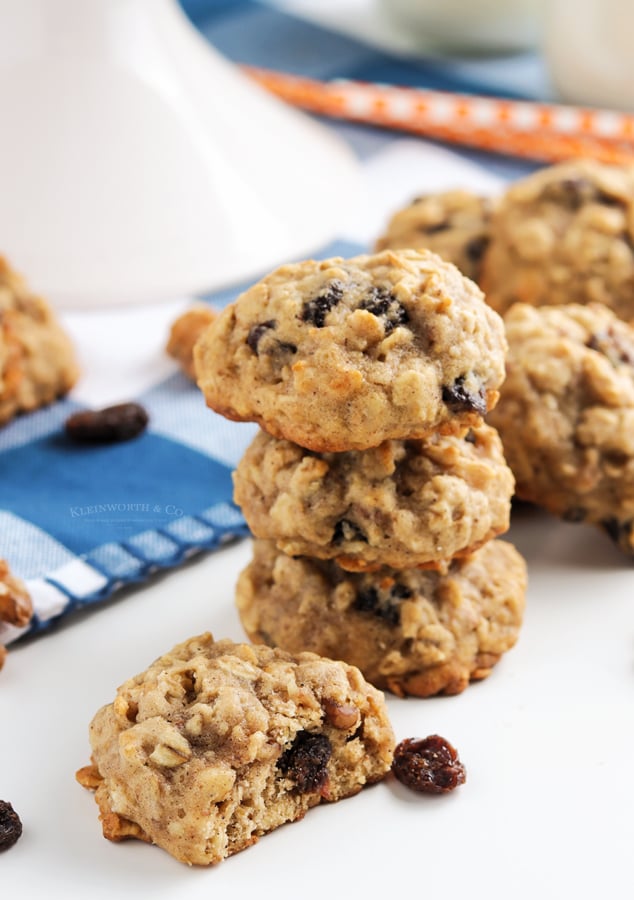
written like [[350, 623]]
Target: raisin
[[345, 530], [470, 437], [10, 825], [574, 192], [571, 192], [283, 347], [106, 426], [429, 765], [382, 304], [367, 600], [256, 333], [316, 310], [400, 591], [475, 247], [306, 761], [272, 347], [613, 346], [381, 602], [435, 228], [457, 397], [609, 199]]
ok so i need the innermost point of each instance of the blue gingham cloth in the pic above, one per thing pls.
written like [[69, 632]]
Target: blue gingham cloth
[[77, 523]]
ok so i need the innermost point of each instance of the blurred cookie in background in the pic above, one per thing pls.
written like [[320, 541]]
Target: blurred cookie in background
[[454, 224], [564, 234], [37, 359], [566, 414], [184, 333]]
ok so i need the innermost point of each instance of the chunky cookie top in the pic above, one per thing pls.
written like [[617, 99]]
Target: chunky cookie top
[[404, 503], [564, 235], [344, 354]]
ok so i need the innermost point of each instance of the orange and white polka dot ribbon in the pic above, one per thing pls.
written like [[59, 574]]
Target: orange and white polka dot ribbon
[[539, 131]]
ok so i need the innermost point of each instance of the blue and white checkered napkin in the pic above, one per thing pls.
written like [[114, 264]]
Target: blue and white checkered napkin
[[79, 522]]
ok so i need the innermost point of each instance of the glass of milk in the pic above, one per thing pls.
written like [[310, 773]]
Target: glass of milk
[[470, 26], [588, 51]]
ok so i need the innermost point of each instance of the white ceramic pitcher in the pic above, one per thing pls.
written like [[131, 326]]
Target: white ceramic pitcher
[[136, 163]]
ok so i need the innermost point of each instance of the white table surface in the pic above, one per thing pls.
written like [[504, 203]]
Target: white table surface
[[547, 740]]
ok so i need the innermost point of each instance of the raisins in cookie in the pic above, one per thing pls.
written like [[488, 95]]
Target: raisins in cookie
[[261, 340], [316, 310], [345, 530], [457, 397], [306, 761], [382, 304], [614, 346], [382, 602], [257, 332], [359, 354], [474, 249], [571, 192]]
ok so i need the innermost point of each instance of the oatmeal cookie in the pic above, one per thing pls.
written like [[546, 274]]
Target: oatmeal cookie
[[344, 354], [566, 414], [409, 631], [184, 333], [16, 606], [37, 361], [217, 743], [404, 503], [564, 235], [454, 224]]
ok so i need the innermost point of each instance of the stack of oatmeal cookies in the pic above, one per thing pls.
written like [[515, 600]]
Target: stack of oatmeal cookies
[[555, 256], [374, 489]]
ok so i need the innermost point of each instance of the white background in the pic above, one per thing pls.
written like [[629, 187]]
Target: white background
[[547, 740]]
